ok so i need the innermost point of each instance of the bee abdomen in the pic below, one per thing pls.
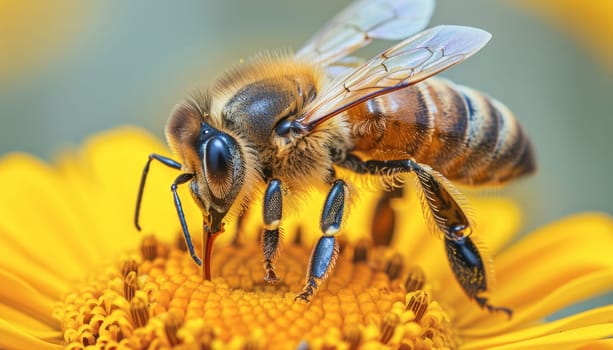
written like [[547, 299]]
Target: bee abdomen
[[466, 136], [473, 139], [495, 149]]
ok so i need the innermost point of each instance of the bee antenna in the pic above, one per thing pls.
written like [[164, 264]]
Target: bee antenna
[[141, 188]]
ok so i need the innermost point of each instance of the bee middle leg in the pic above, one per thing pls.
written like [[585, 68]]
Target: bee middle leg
[[325, 251], [272, 212]]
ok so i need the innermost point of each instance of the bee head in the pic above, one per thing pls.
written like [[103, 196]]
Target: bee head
[[223, 173], [212, 155]]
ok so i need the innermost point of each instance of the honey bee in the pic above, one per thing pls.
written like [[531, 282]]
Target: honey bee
[[286, 122]]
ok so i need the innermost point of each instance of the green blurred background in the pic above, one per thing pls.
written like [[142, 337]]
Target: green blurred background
[[71, 68]]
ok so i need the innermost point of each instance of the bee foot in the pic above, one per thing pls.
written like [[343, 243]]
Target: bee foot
[[304, 296], [483, 302], [307, 292], [271, 277]]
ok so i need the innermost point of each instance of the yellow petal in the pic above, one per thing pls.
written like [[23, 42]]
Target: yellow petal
[[595, 317], [42, 278], [113, 163], [497, 221], [558, 265], [552, 256], [39, 219], [19, 295], [606, 344], [12, 337], [29, 324], [568, 294], [567, 339]]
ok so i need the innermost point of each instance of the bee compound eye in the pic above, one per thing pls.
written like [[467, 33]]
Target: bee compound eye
[[217, 158]]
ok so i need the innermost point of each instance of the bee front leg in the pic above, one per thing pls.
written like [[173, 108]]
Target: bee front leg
[[272, 212], [325, 251], [181, 179]]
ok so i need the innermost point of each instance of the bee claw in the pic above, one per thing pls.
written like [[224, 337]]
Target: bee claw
[[304, 296], [197, 260], [271, 277], [483, 302]]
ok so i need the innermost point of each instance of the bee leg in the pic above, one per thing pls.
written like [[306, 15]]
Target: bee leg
[[166, 161], [382, 229], [376, 167], [325, 251], [447, 213], [273, 210], [181, 179], [468, 268], [462, 253]]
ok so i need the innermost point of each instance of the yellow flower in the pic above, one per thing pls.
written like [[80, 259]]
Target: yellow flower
[[74, 272]]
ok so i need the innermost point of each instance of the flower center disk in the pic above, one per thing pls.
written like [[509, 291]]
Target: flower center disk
[[157, 298]]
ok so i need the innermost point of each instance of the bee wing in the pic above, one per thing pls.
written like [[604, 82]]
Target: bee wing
[[361, 22], [404, 64], [343, 67]]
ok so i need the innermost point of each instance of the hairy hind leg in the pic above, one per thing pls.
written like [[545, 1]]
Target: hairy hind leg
[[464, 258]]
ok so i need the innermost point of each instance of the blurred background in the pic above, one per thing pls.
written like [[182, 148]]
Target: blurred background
[[71, 68]]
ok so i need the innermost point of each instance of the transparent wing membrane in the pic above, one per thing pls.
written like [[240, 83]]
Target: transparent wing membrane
[[404, 64], [361, 22]]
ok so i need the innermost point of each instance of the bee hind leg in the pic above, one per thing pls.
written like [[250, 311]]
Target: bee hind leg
[[463, 254], [325, 251], [468, 268]]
